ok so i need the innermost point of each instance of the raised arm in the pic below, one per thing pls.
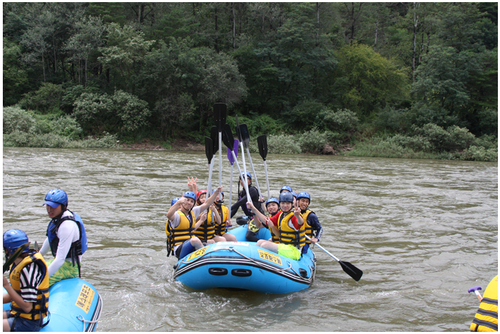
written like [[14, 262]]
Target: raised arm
[[211, 199]]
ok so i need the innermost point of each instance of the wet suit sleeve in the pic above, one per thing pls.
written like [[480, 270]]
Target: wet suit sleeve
[[313, 221], [242, 202]]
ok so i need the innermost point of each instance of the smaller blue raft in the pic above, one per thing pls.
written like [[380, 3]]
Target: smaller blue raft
[[74, 306], [243, 265]]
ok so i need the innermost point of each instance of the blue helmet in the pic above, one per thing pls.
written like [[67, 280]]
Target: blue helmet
[[294, 194], [13, 239], [286, 197], [287, 188], [303, 194], [56, 197], [190, 194], [174, 200], [249, 176], [272, 200]]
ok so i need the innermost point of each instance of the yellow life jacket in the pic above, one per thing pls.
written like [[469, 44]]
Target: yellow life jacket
[[181, 233], [308, 228], [41, 307], [206, 231], [275, 238], [486, 319], [288, 235], [221, 229]]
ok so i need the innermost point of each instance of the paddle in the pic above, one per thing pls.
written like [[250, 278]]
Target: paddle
[[215, 147], [209, 152], [229, 141], [14, 256], [246, 139], [220, 112], [262, 141], [349, 268], [231, 160], [240, 137]]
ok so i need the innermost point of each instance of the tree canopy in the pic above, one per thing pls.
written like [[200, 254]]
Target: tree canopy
[[155, 69]]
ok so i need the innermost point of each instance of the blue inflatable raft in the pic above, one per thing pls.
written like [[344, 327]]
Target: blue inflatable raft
[[74, 306], [244, 265]]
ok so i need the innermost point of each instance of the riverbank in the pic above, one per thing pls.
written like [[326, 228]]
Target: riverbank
[[151, 145]]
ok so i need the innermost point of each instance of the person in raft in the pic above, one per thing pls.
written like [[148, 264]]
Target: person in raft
[[182, 217], [28, 290], [242, 197], [66, 238], [254, 225], [288, 225], [223, 212], [310, 220]]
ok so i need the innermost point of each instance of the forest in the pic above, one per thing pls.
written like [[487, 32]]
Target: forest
[[394, 79]]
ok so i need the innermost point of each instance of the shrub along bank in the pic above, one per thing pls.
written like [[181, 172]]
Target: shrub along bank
[[24, 128]]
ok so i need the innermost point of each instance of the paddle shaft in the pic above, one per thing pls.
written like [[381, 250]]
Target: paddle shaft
[[254, 174], [267, 180], [245, 183], [348, 268], [220, 158]]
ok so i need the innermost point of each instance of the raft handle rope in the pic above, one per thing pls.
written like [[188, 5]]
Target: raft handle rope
[[80, 317], [252, 260], [248, 258]]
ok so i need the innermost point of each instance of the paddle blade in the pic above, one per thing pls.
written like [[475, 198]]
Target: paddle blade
[[14, 256], [209, 149], [227, 136], [245, 136], [220, 113], [230, 154], [214, 135], [236, 144], [351, 270], [262, 141]]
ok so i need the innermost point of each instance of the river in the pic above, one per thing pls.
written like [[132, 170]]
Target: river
[[422, 231]]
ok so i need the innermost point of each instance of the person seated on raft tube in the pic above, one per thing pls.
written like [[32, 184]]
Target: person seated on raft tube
[[223, 212], [210, 230], [310, 220], [201, 219], [181, 217], [66, 238], [242, 197], [288, 225], [254, 225], [28, 290]]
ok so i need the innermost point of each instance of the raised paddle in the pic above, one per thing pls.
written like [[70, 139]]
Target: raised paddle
[[209, 152], [231, 160], [349, 268], [14, 256], [215, 144], [228, 139], [240, 137], [262, 142], [220, 112], [246, 139]]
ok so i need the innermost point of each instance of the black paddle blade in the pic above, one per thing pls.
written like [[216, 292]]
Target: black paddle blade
[[14, 256], [227, 136], [220, 112], [351, 270], [244, 135], [262, 141], [214, 135], [209, 149], [238, 134]]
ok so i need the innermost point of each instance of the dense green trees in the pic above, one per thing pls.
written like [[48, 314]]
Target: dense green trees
[[155, 70]]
